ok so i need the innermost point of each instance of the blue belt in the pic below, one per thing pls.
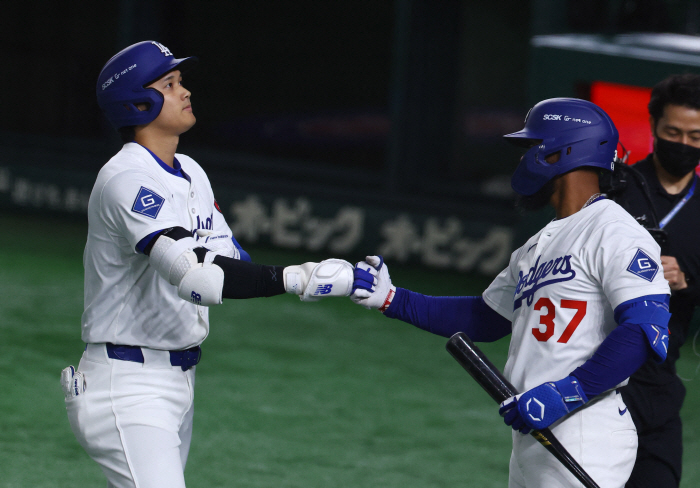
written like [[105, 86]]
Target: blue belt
[[185, 359]]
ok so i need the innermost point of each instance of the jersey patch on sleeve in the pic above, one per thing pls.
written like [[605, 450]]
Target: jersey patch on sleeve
[[643, 266], [216, 204], [147, 203]]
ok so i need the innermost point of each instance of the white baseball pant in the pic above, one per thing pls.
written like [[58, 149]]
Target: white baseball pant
[[601, 437], [135, 419]]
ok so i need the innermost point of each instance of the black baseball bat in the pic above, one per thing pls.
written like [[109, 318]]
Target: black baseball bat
[[499, 388]]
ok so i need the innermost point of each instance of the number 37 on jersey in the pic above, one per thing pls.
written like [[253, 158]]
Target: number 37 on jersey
[[549, 314]]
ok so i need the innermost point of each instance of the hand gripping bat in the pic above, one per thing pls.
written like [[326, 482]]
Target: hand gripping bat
[[497, 386]]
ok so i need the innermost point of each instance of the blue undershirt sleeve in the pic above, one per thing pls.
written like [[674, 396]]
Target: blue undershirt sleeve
[[627, 347], [143, 243], [446, 316], [244, 255]]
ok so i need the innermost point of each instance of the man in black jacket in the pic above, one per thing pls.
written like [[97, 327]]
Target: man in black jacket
[[660, 192]]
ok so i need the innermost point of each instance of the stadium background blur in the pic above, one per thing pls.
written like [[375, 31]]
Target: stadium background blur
[[328, 129]]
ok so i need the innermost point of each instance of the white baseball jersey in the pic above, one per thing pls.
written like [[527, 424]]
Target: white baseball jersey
[[560, 289], [126, 300]]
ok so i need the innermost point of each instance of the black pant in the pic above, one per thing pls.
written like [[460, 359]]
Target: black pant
[[655, 409], [659, 456]]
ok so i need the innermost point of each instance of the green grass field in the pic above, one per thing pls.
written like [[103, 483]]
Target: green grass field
[[289, 394]]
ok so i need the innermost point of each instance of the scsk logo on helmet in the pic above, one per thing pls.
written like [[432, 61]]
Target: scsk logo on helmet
[[590, 141], [116, 76], [108, 82], [162, 48]]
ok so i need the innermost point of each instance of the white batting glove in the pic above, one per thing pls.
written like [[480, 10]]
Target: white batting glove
[[313, 281], [372, 287], [73, 382], [218, 244]]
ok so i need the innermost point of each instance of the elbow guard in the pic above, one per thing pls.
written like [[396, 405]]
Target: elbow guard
[[652, 317], [658, 340], [203, 284], [176, 262]]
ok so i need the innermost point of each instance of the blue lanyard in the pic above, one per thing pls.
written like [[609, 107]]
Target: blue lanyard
[[679, 205]]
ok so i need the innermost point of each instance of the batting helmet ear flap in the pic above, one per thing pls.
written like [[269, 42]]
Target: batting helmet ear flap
[[145, 107], [554, 157]]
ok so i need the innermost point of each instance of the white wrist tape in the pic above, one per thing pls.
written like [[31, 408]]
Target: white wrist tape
[[297, 277], [202, 285]]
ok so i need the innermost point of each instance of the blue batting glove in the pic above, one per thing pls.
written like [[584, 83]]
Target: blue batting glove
[[511, 416], [543, 405], [365, 278]]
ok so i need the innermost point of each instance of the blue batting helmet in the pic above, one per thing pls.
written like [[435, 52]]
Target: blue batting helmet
[[121, 83], [579, 130]]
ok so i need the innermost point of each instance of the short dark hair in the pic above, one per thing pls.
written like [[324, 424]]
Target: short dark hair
[[683, 90], [127, 133]]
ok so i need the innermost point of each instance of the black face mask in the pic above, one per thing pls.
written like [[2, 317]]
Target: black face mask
[[677, 158]]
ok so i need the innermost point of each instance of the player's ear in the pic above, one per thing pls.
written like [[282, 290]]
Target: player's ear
[[554, 157]]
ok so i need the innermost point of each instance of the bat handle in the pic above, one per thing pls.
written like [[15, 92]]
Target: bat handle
[[475, 362], [552, 444]]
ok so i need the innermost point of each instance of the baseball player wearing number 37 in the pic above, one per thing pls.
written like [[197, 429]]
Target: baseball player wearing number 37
[[585, 302], [158, 254]]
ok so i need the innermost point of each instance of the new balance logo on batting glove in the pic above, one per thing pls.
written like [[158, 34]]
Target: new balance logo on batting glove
[[543, 405], [323, 289], [313, 281]]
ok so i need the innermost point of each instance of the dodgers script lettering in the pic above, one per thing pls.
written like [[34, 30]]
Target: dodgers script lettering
[[535, 278]]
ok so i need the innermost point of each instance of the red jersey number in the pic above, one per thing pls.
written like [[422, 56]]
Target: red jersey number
[[547, 319]]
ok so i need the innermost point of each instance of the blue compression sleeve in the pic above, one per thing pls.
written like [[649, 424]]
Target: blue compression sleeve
[[626, 348], [618, 356], [446, 316]]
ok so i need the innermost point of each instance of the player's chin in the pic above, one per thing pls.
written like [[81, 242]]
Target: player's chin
[[190, 122], [184, 128]]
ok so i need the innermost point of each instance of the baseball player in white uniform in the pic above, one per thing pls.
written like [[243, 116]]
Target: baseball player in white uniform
[[158, 254], [584, 301]]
